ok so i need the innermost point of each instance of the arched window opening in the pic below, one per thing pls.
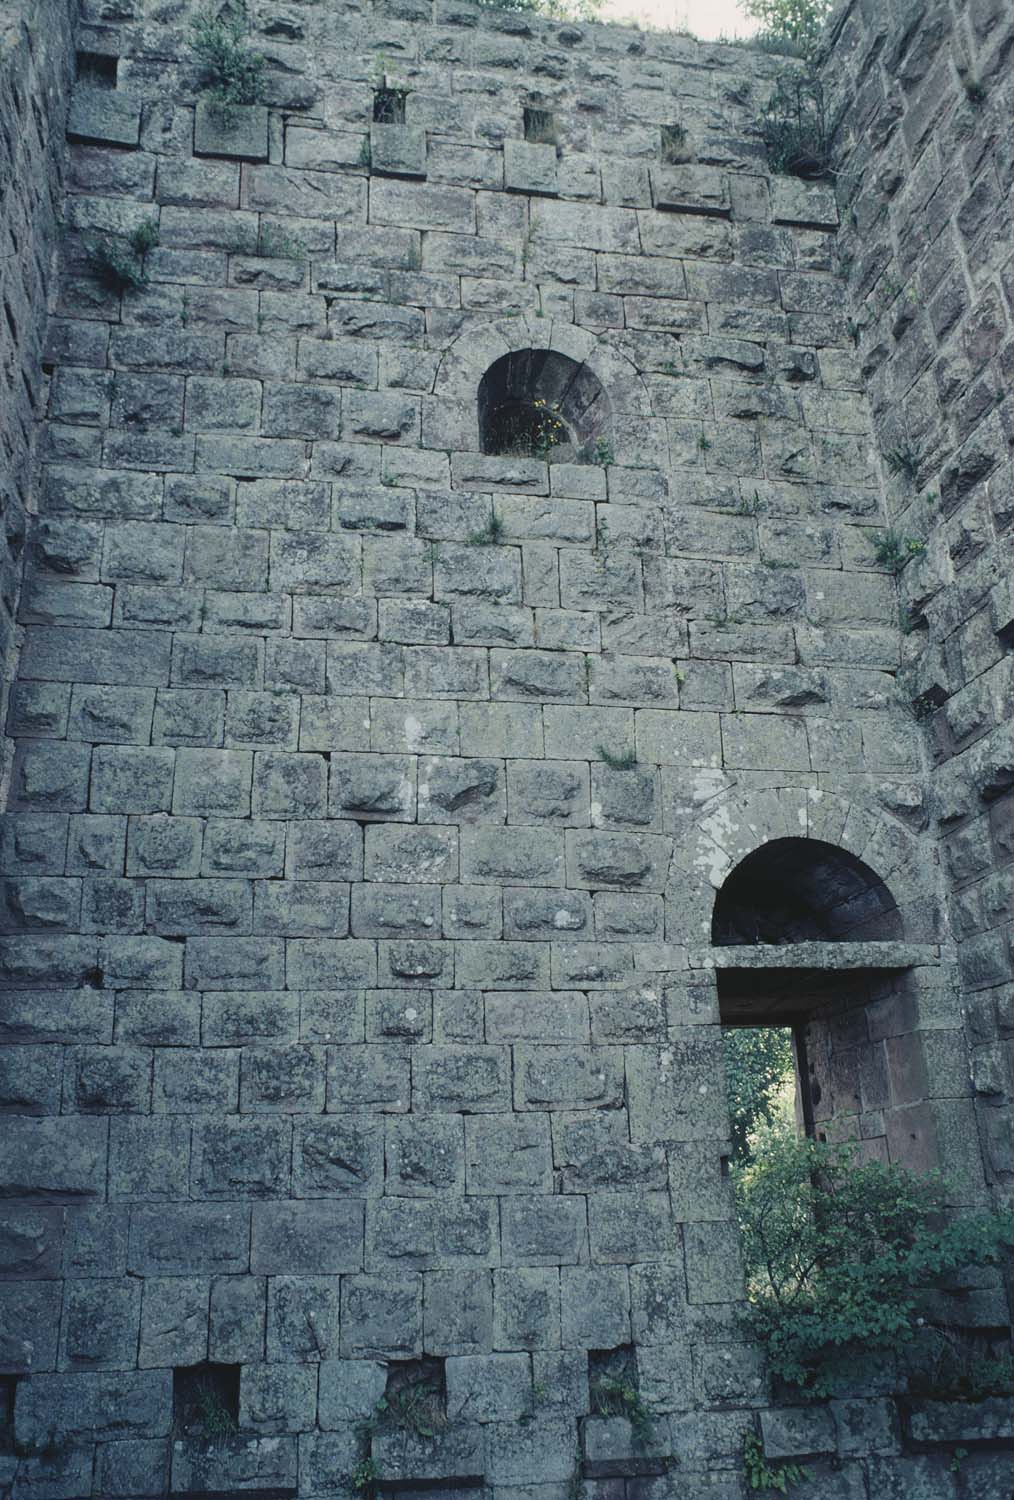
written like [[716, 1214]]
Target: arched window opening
[[800, 890], [538, 403]]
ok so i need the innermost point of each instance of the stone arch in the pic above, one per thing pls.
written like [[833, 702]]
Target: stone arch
[[718, 825], [855, 970], [477, 349], [792, 890]]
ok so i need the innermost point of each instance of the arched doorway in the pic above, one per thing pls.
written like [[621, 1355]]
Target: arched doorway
[[815, 949]]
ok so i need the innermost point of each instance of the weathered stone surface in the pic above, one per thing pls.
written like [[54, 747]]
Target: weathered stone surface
[[374, 769], [67, 1407]]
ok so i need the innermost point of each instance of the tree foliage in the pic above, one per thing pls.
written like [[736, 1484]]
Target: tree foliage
[[842, 1253], [795, 24], [758, 1065]]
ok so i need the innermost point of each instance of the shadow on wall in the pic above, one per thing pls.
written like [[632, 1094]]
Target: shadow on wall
[[804, 890]]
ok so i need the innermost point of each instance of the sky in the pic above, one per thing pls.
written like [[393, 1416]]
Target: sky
[[705, 18]]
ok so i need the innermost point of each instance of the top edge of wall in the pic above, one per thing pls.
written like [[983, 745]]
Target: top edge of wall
[[618, 38]]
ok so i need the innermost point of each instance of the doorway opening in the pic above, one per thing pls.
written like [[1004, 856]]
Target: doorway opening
[[798, 1051]]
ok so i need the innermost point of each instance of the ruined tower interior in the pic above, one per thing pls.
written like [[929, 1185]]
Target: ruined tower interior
[[498, 583]]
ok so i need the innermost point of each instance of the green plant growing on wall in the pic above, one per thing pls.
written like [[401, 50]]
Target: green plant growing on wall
[[364, 1477], [230, 73], [492, 533], [615, 1396], [144, 237], [212, 1415], [842, 1256], [761, 1475], [602, 453], [203, 1412], [530, 429], [415, 1408], [540, 127], [904, 459], [946, 1366], [414, 1402], [548, 429], [791, 26], [274, 244], [794, 127], [894, 551]]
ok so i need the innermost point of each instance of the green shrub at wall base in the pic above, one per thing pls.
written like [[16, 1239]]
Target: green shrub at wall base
[[842, 1253]]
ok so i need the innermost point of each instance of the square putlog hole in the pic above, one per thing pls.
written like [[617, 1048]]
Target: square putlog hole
[[205, 1400], [415, 1396], [8, 1390], [540, 127], [674, 145], [96, 70], [612, 1383], [389, 106]]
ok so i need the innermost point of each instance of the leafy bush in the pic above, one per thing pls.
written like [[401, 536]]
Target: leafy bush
[[795, 26], [230, 72], [841, 1255]]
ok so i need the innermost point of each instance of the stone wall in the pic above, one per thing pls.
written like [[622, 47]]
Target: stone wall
[[36, 69], [928, 155], [372, 790]]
